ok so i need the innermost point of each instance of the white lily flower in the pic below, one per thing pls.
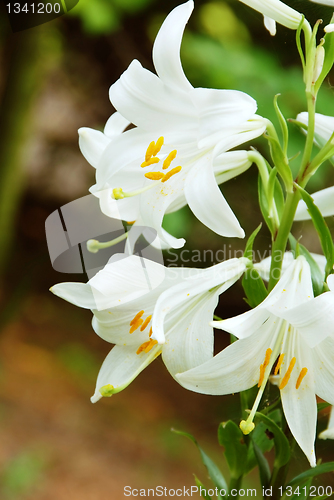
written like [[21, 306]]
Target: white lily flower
[[275, 11], [329, 432], [176, 154], [291, 327], [263, 267], [167, 314]]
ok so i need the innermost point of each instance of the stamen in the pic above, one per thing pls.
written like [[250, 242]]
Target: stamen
[[149, 151], [130, 222], [287, 374], [300, 377], [279, 362], [150, 162], [154, 176], [147, 346], [118, 193], [158, 146], [138, 315], [146, 322], [169, 159], [136, 325], [264, 366], [170, 173], [150, 333]]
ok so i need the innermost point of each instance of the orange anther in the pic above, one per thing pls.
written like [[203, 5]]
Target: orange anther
[[170, 173], [149, 151], [279, 362], [154, 176], [138, 315], [146, 322], [287, 374], [169, 159], [158, 146], [300, 377], [151, 161]]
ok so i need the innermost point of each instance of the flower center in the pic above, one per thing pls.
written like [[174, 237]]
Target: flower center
[[137, 322], [150, 159]]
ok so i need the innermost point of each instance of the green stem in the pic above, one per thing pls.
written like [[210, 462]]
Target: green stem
[[235, 483], [302, 174], [281, 240]]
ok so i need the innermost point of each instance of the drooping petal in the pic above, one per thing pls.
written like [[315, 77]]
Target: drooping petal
[[323, 129], [207, 202], [235, 369], [322, 355], [142, 98], [263, 267], [226, 272], [189, 341], [121, 367], [277, 10], [92, 143], [221, 109], [270, 24], [299, 405], [323, 199], [229, 165], [314, 320], [166, 48]]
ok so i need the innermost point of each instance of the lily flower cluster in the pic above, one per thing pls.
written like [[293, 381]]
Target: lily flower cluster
[[177, 154]]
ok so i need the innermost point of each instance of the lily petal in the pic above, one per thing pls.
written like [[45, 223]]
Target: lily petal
[[115, 125], [323, 369], [166, 48], [121, 367], [92, 143], [323, 199]]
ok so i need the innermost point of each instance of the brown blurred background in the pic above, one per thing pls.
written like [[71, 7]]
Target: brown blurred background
[[56, 445]]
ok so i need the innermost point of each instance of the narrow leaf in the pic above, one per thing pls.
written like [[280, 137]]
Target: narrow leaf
[[329, 58], [214, 473], [283, 124], [316, 471], [254, 287], [248, 254], [264, 469], [321, 228], [202, 489]]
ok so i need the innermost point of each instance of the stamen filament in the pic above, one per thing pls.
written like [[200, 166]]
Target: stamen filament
[[300, 377], [154, 176], [170, 173], [287, 375], [169, 159], [94, 246], [158, 146], [150, 162], [279, 362], [146, 322]]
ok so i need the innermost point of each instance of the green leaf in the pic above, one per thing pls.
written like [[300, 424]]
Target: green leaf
[[280, 160], [254, 287], [248, 253], [316, 274], [282, 447], [231, 437], [316, 471], [321, 228], [262, 439], [201, 488], [264, 469], [214, 473]]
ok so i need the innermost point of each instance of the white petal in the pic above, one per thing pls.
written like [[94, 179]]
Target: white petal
[[323, 199], [226, 272], [330, 282], [229, 165], [314, 320], [92, 144], [208, 203], [263, 267], [323, 355], [142, 98], [235, 369], [121, 367], [221, 109], [115, 125], [79, 294], [277, 10], [166, 48], [244, 325], [299, 405], [270, 24], [189, 342]]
